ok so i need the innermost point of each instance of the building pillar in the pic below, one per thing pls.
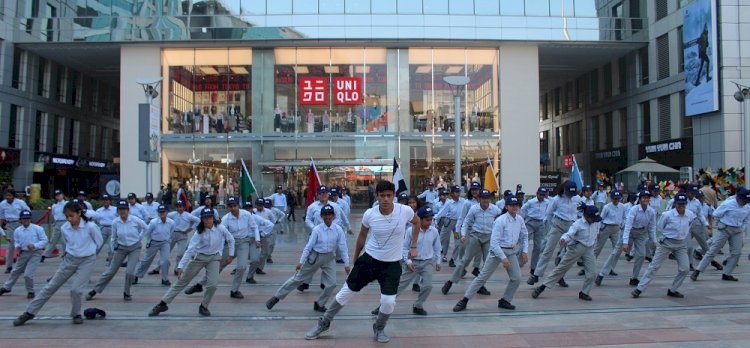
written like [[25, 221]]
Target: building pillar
[[519, 116]]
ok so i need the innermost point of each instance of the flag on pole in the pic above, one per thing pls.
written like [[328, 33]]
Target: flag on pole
[[313, 183], [575, 174], [247, 187], [490, 183], [398, 178]]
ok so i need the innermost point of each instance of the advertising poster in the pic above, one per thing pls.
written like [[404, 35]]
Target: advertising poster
[[700, 58], [154, 138]]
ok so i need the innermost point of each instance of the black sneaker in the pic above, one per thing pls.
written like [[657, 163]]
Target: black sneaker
[[3, 291], [319, 308], [236, 294], [42, 260], [475, 271], [7, 270], [322, 286], [557, 260], [461, 305], [418, 311], [340, 261], [166, 282], [26, 316], [127, 297], [463, 272], [154, 271], [579, 263], [30, 295], [124, 264], [135, 281], [532, 280], [649, 258], [446, 287], [628, 257], [717, 265], [270, 260], [483, 291], [634, 282], [585, 297], [538, 291], [302, 287], [598, 280], [676, 294], [234, 271], [78, 319], [193, 289], [451, 263], [562, 283], [416, 288], [692, 269], [271, 302], [697, 255], [90, 295], [502, 303], [582, 272], [636, 293], [613, 273], [695, 274], [672, 257], [259, 271], [250, 281], [729, 278], [204, 311], [375, 311]]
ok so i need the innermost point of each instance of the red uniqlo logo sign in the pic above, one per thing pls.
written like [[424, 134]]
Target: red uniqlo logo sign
[[568, 161], [313, 90], [347, 90]]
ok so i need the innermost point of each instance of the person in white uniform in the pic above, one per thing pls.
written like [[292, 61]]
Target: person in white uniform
[[59, 219], [29, 240], [159, 232], [10, 210], [106, 215]]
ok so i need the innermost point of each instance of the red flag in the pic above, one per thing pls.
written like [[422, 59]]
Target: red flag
[[313, 183]]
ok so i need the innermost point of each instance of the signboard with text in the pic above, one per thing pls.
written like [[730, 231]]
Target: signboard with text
[[347, 90], [700, 54], [313, 90]]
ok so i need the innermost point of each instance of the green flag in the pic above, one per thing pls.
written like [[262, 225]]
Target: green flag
[[247, 187]]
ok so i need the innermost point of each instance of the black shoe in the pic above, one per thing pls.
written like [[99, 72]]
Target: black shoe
[[193, 289], [585, 297], [724, 263], [341, 261], [502, 303], [259, 271], [463, 273], [234, 271], [483, 291], [649, 258], [127, 297], [375, 311], [7, 270], [717, 265], [175, 272], [269, 260], [695, 275], [634, 282], [692, 269], [531, 271], [697, 255], [418, 311], [635, 293], [166, 283], [579, 263], [78, 319], [42, 260], [236, 294], [446, 287], [124, 264], [676, 294], [537, 291], [90, 295], [161, 307], [153, 272], [729, 278], [628, 257], [203, 311], [672, 257], [30, 295], [475, 271], [319, 308], [461, 305], [557, 260], [562, 283], [26, 316], [302, 287], [135, 281], [582, 272], [598, 280], [322, 286], [451, 263], [532, 280], [613, 273], [416, 288], [3, 291], [250, 281], [271, 302]]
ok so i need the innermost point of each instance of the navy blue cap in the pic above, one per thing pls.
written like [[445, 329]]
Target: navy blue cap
[[511, 201], [743, 194], [485, 193], [430, 184], [680, 198], [248, 204], [58, 192], [327, 209], [106, 197], [81, 193], [76, 201], [161, 209], [455, 188], [644, 193], [643, 187], [180, 203], [592, 212], [507, 193], [322, 189], [655, 188], [131, 195], [693, 187], [587, 188], [260, 201], [699, 194], [542, 191], [475, 186], [403, 196], [615, 194], [91, 313], [207, 212], [25, 215], [232, 200], [278, 187], [441, 191], [150, 195], [520, 193], [123, 205], [267, 203], [570, 188], [425, 212], [333, 191]]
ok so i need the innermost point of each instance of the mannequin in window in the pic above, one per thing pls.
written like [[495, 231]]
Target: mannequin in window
[[198, 119], [284, 122], [326, 121], [277, 118], [310, 121], [350, 120], [473, 118], [233, 120], [337, 123]]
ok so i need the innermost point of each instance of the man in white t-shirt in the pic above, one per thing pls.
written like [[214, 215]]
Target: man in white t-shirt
[[386, 227]]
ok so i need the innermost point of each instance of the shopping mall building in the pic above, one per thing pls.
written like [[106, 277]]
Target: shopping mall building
[[354, 84]]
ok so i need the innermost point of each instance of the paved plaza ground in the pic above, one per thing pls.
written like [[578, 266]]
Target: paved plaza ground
[[713, 313]]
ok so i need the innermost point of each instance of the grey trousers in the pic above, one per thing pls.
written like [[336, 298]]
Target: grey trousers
[[574, 251], [423, 270], [557, 228], [242, 248], [121, 253], [609, 233], [664, 247], [476, 244], [10, 228], [26, 265], [195, 265], [267, 243], [162, 247], [490, 266], [106, 233], [725, 233], [537, 231], [446, 234], [614, 256], [698, 232], [178, 242], [639, 245], [77, 267], [55, 239], [326, 263]]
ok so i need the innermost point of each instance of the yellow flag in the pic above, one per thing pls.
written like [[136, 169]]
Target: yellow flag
[[489, 179]]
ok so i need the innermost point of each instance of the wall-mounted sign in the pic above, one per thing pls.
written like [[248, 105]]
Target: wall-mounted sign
[[664, 147], [313, 90], [568, 161], [347, 90], [700, 54]]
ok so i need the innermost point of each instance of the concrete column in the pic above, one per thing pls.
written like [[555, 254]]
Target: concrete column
[[263, 91], [136, 62], [519, 116]]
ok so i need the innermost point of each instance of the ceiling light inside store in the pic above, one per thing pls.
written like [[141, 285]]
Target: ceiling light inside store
[[331, 69], [424, 69], [452, 70], [209, 70], [301, 69], [239, 70], [362, 69]]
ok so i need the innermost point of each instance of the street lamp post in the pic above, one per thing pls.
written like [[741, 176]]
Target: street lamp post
[[457, 83], [742, 95]]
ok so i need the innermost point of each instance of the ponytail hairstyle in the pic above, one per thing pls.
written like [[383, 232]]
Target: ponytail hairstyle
[[76, 209], [582, 207], [201, 227]]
